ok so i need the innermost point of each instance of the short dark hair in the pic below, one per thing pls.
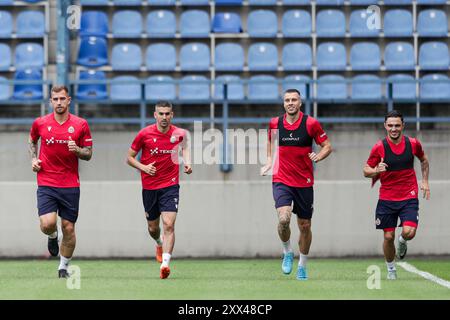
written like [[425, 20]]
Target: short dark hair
[[293, 91], [163, 104], [59, 88], [393, 114]]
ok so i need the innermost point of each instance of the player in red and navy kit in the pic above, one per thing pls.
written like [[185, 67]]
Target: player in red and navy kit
[[65, 138], [159, 168], [293, 176], [392, 161]]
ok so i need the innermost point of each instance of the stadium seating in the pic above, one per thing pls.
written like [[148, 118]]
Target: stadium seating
[[263, 87], [127, 2], [29, 55], [4, 89], [194, 24], [227, 22], [330, 23], [432, 23], [229, 56], [296, 2], [194, 2], [399, 56], [6, 24], [161, 2], [363, 2], [431, 2], [161, 24], [262, 56], [195, 56], [228, 2], [296, 23], [401, 88], [358, 25], [127, 24], [331, 56], [95, 91], [235, 91], [365, 56], [161, 57], [123, 88], [330, 2], [94, 23], [297, 82], [157, 89], [398, 23], [5, 57], [126, 56], [93, 2], [28, 91], [262, 2], [434, 56], [93, 52], [397, 2], [30, 24], [194, 87], [366, 86], [331, 87], [262, 24], [6, 2], [297, 56], [435, 86]]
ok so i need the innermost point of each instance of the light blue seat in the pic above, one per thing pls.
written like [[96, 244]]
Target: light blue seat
[[331, 87], [194, 24], [6, 24], [30, 24], [363, 2], [263, 87], [296, 23], [29, 55], [195, 56], [6, 2], [127, 2], [361, 26], [93, 52], [5, 57], [227, 22], [298, 82], [262, 24], [194, 2], [94, 23], [330, 2], [296, 2], [366, 86], [161, 24], [229, 56], [127, 24], [160, 88], [431, 2], [262, 56], [262, 2], [5, 93], [331, 56], [161, 57], [398, 23], [94, 91], [330, 23], [365, 56], [434, 55], [93, 2], [28, 91], [397, 2], [297, 56], [235, 91], [435, 86], [161, 2], [432, 23], [120, 90], [228, 2], [401, 88], [126, 56], [194, 87], [399, 56]]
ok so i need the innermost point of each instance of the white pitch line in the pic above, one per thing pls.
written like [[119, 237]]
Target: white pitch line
[[410, 268]]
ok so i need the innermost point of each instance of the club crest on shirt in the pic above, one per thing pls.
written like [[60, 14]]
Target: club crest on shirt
[[71, 129], [377, 222], [49, 128], [173, 139], [154, 139]]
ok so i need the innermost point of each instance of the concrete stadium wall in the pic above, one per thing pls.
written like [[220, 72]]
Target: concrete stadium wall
[[220, 215]]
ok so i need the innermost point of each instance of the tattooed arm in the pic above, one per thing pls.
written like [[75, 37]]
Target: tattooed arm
[[32, 150], [425, 166]]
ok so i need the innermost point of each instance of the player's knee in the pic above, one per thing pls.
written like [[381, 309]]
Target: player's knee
[[169, 227], [153, 229], [47, 227], [305, 227], [389, 237], [410, 234], [68, 229]]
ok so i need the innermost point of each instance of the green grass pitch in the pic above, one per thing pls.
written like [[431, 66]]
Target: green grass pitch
[[199, 279]]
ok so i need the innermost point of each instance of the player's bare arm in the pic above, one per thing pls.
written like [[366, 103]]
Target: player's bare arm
[[186, 154], [84, 153], [323, 153], [132, 161], [268, 164], [425, 166], [370, 172], [32, 149]]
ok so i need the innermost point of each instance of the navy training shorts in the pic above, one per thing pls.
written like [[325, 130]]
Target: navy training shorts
[[302, 198], [64, 201], [388, 213], [160, 200]]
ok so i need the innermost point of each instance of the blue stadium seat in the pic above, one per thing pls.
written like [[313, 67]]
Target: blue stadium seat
[[432, 23], [127, 2], [435, 86], [331, 87], [157, 89], [366, 86], [6, 2], [33, 1], [297, 56], [4, 89], [93, 2], [161, 57], [30, 24], [296, 2], [296, 23], [330, 23], [95, 91], [431, 2], [93, 52], [161, 24], [262, 24], [401, 89], [363, 2], [126, 56], [194, 87], [398, 23], [399, 56], [194, 2], [127, 24], [94, 23], [161, 2], [358, 26], [397, 2], [29, 55], [298, 82], [5, 57], [28, 91], [434, 56], [6, 24], [194, 24], [229, 56], [330, 2], [263, 87], [262, 2], [235, 91], [262, 56], [120, 90], [365, 56], [227, 22], [331, 56], [195, 56]]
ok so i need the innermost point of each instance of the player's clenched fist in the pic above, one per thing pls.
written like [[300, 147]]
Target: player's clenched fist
[[73, 146], [36, 165]]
